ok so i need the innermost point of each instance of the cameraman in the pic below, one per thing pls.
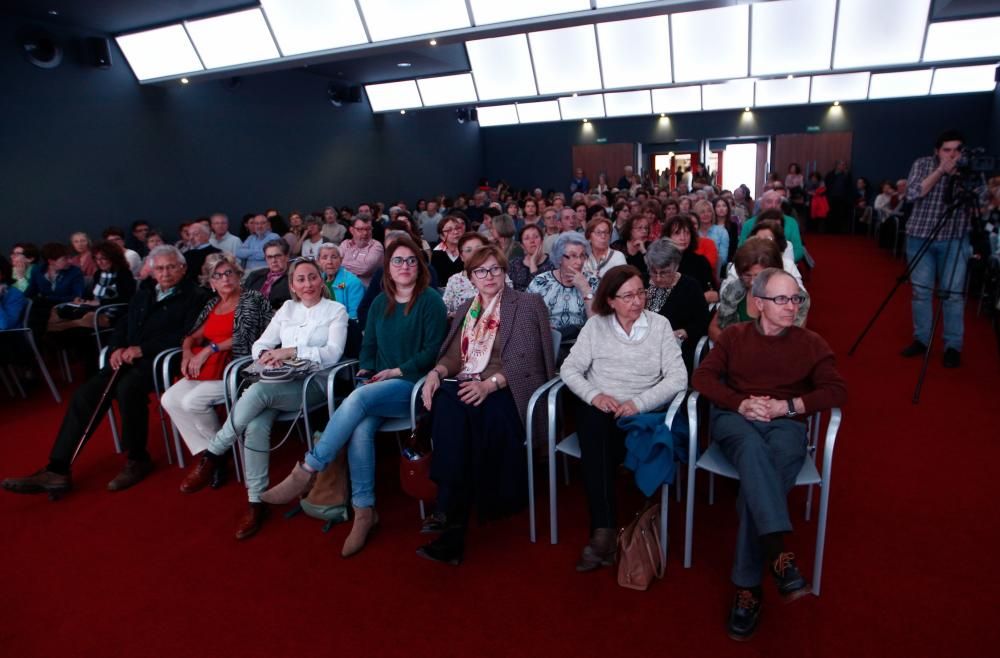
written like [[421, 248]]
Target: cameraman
[[930, 186]]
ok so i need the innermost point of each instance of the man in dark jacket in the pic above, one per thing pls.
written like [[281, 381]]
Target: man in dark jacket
[[200, 249], [158, 319], [840, 192]]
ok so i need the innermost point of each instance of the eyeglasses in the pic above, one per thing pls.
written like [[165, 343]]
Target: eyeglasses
[[601, 233], [399, 261], [575, 256], [662, 274], [483, 272], [781, 300], [362, 229], [630, 297], [167, 268], [276, 256], [216, 276]]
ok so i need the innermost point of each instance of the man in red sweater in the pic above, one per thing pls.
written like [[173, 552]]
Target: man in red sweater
[[764, 379]]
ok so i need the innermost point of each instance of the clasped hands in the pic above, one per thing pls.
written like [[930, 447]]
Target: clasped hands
[[608, 404], [470, 391], [763, 408]]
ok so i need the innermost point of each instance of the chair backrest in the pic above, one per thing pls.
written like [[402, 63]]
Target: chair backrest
[[26, 313], [556, 342]]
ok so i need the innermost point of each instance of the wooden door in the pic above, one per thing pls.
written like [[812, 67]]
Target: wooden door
[[607, 159], [812, 151]]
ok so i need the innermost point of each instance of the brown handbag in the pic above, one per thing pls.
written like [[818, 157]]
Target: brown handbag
[[639, 551]]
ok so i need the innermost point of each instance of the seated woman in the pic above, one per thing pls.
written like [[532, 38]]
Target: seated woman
[[460, 289], [567, 291], [113, 284], [534, 261], [311, 327], [707, 228], [602, 257], [82, 257], [346, 288], [676, 296], [680, 230], [755, 256], [499, 350], [23, 260], [502, 233], [626, 361], [12, 301], [445, 258], [769, 226], [226, 328], [405, 328], [55, 281], [633, 242], [272, 281]]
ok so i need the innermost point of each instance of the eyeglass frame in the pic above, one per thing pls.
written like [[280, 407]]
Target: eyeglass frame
[[797, 300], [492, 272]]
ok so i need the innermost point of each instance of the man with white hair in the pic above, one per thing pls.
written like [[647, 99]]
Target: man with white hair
[[221, 238], [771, 200], [199, 248]]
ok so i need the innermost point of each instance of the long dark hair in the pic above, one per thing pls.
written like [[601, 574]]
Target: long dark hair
[[113, 253], [389, 286]]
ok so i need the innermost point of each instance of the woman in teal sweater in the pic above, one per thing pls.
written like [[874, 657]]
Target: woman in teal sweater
[[404, 332]]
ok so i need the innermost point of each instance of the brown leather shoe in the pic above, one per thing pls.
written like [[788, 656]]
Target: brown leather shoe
[[252, 520], [41, 481], [600, 552], [135, 471], [200, 475]]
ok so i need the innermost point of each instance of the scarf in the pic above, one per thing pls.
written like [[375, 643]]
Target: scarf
[[106, 286], [479, 331], [269, 281]]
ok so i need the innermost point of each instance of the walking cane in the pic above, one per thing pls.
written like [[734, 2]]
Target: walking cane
[[88, 431]]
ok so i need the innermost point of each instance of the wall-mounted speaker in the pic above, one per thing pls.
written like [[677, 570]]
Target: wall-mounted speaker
[[341, 93], [40, 48], [98, 51]]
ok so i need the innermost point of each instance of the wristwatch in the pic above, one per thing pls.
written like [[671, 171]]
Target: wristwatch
[[213, 347], [791, 410], [589, 296], [496, 382]]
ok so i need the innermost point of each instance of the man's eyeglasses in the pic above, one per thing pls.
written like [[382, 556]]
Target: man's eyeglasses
[[630, 297], [483, 272], [167, 268], [399, 261], [216, 276], [276, 257], [781, 300]]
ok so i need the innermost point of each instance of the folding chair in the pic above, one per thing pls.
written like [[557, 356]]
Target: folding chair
[[30, 337]]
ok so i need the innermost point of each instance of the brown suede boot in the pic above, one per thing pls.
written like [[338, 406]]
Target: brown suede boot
[[365, 522], [600, 552], [297, 483]]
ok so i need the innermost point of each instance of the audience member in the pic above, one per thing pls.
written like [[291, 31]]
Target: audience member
[[446, 259], [199, 249], [137, 240], [675, 296], [116, 235], [707, 228], [567, 291], [312, 237], [81, 256], [633, 242], [680, 230], [113, 284], [534, 262], [272, 281], [251, 252], [221, 238], [12, 300], [602, 257], [362, 255], [23, 259]]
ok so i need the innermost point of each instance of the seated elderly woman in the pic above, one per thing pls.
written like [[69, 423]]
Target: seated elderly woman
[[567, 291], [113, 284], [602, 257], [82, 256], [502, 233], [633, 243], [626, 361], [445, 258], [346, 288], [676, 296], [310, 327], [680, 230], [459, 288], [272, 281], [534, 261], [755, 256], [499, 350], [402, 337], [227, 327]]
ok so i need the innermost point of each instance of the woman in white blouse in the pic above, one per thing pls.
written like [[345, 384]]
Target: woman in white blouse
[[602, 257], [310, 326]]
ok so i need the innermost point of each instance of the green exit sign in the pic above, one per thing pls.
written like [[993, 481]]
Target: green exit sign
[[812, 129], [601, 140]]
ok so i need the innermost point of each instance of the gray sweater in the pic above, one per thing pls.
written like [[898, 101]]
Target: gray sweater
[[649, 372]]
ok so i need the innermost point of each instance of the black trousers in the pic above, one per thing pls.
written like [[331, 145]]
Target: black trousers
[[131, 391], [602, 448]]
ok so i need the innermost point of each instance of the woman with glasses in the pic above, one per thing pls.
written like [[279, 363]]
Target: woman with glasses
[[460, 288], [602, 257], [626, 361], [112, 284], [534, 261], [446, 257], [676, 296], [272, 281], [310, 327], [498, 352], [227, 327], [680, 230], [405, 327], [566, 290], [633, 242]]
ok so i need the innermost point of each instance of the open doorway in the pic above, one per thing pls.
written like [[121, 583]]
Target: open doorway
[[673, 168], [741, 166]]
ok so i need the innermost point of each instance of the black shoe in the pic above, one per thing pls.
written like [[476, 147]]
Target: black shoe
[[135, 471], [916, 348], [42, 481], [952, 358], [449, 548], [220, 475], [744, 615], [434, 524], [791, 584]]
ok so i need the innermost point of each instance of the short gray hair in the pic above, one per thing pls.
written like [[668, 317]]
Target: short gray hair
[[661, 254], [396, 234], [761, 280], [328, 245], [167, 250], [565, 240], [280, 243], [201, 229], [504, 226]]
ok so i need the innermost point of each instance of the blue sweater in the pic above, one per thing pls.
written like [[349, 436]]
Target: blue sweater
[[12, 303], [67, 286]]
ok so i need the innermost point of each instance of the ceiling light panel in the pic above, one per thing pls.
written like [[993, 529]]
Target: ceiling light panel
[[393, 96], [782, 92], [392, 19], [839, 87], [486, 12], [677, 99], [538, 112], [447, 90], [582, 107], [970, 39], [964, 80], [305, 26], [879, 33], [791, 36], [635, 53], [565, 59], [233, 39], [159, 53], [601, 4], [899, 85], [497, 115], [726, 29], [728, 95], [502, 67], [628, 103]]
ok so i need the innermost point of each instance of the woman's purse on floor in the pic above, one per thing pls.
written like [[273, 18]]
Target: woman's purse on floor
[[415, 462], [639, 550]]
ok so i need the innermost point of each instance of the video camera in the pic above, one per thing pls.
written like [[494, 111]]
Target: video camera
[[976, 161]]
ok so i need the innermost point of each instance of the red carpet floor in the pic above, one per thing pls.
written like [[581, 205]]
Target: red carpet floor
[[150, 572]]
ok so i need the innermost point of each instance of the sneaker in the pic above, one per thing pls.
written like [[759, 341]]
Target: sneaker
[[135, 471], [791, 584], [916, 348], [744, 615], [952, 358]]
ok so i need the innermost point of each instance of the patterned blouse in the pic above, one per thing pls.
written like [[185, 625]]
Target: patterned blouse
[[253, 314], [460, 290], [566, 304]]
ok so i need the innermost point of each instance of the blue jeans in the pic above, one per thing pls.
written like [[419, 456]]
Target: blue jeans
[[939, 266], [356, 420]]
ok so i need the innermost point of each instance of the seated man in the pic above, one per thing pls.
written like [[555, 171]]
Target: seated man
[[200, 248], [251, 252], [158, 318], [764, 378]]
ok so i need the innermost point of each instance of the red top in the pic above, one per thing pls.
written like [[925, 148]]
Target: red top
[[217, 328]]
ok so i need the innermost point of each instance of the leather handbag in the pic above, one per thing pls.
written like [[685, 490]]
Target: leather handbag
[[415, 463], [639, 561]]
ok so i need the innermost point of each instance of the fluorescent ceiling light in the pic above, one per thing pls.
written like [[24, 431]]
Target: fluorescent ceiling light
[[492, 11], [393, 96], [565, 60], [728, 95], [447, 90], [538, 112], [497, 115], [677, 99], [601, 4], [502, 67], [782, 92], [582, 107], [839, 87], [392, 19], [627, 103], [159, 53], [305, 26], [635, 53], [964, 79], [898, 85], [879, 33], [232, 39], [726, 29], [962, 39], [791, 36]]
